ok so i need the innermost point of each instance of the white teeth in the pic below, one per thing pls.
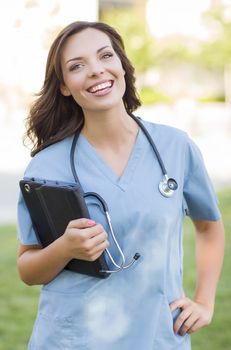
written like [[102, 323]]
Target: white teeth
[[101, 86]]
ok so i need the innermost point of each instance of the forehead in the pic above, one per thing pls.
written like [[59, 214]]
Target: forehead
[[87, 41]]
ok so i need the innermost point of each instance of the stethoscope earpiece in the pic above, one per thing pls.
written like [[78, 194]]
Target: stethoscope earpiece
[[168, 186]]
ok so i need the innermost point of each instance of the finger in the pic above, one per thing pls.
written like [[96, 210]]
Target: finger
[[81, 223], [91, 232], [179, 304], [197, 325], [87, 233], [189, 323], [181, 319], [98, 250], [96, 240]]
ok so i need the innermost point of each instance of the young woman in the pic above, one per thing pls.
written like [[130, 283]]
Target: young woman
[[89, 88]]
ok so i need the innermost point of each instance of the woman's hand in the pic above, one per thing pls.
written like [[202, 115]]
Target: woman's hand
[[193, 315], [84, 239]]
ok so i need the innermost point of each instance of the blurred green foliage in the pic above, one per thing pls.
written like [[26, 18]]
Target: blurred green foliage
[[149, 96], [209, 99], [216, 52], [146, 52], [139, 44]]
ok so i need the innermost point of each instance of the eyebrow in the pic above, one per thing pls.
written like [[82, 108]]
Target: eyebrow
[[80, 58]]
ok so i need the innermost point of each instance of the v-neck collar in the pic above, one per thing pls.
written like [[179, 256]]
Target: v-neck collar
[[120, 181]]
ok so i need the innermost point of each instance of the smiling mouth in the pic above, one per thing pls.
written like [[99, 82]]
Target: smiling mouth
[[100, 87]]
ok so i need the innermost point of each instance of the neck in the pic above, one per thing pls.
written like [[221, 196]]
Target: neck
[[108, 126]]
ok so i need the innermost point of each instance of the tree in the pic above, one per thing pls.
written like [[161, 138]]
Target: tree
[[216, 53], [139, 43]]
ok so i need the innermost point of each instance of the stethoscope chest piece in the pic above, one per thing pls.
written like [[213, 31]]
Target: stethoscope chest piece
[[168, 186]]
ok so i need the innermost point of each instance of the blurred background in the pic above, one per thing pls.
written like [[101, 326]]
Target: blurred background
[[181, 50]]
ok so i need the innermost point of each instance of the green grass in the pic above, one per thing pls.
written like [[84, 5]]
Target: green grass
[[18, 302], [217, 336]]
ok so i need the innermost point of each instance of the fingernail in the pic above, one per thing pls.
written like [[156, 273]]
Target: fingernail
[[90, 222]]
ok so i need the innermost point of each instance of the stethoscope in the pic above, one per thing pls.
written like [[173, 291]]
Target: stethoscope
[[167, 186]]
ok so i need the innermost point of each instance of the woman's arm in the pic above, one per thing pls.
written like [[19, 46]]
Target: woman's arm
[[83, 239], [198, 312]]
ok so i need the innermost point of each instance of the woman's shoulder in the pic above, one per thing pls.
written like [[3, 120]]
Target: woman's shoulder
[[51, 157], [166, 132], [174, 139]]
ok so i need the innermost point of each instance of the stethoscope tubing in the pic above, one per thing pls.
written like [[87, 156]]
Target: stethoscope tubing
[[145, 131], [164, 188]]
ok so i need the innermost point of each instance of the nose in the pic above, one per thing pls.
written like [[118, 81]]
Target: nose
[[95, 68]]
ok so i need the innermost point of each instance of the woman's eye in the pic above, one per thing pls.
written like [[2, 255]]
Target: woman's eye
[[107, 55], [75, 66]]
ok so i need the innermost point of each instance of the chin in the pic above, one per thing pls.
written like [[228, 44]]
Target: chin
[[106, 105]]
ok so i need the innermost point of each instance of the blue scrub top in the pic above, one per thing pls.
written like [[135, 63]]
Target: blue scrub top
[[129, 310]]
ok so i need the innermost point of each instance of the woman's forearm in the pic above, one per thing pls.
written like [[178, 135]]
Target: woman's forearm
[[209, 259], [83, 239], [40, 266]]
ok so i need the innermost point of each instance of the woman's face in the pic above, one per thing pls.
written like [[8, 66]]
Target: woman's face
[[92, 71]]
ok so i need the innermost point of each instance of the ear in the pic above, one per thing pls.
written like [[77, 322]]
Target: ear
[[64, 90]]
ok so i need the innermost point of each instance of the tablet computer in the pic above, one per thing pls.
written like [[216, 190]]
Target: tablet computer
[[52, 206]]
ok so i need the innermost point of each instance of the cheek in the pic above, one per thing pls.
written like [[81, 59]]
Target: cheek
[[75, 85], [74, 82], [121, 74], [123, 83]]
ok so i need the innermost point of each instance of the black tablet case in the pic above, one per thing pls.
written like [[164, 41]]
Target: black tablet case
[[51, 207]]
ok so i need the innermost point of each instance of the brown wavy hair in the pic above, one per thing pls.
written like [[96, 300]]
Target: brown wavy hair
[[52, 116]]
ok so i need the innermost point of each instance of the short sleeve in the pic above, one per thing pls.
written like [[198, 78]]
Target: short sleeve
[[200, 201], [25, 231]]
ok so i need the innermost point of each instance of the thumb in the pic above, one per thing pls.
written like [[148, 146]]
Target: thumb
[[175, 304], [81, 223]]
